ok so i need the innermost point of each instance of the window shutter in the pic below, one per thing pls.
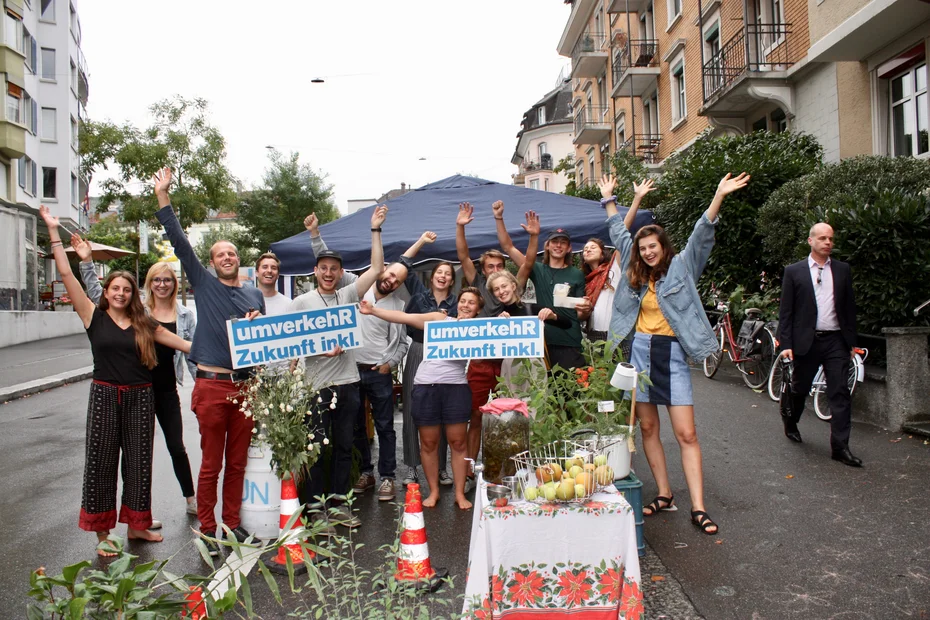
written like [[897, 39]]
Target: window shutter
[[35, 117], [35, 54]]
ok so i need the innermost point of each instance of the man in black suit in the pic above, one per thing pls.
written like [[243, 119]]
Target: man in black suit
[[817, 325]]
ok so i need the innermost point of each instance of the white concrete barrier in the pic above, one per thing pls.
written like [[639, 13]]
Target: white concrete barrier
[[19, 327]]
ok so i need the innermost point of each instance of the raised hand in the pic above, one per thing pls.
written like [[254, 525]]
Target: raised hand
[[641, 189], [532, 223], [498, 209], [378, 216], [162, 181], [365, 308], [51, 221], [607, 184], [729, 185], [312, 224], [466, 214], [82, 247], [427, 237]]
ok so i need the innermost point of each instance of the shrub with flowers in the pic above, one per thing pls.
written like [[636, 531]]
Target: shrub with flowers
[[286, 412]]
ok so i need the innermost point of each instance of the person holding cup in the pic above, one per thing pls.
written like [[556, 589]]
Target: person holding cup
[[657, 300]]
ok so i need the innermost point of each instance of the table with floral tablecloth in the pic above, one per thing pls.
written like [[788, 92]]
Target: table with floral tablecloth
[[530, 560]]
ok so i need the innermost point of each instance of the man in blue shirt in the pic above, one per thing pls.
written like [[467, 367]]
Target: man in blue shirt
[[224, 429]]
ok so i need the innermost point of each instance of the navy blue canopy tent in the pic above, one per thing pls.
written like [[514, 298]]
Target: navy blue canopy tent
[[434, 207]]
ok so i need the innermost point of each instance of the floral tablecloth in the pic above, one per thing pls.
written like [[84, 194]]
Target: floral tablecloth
[[532, 561]]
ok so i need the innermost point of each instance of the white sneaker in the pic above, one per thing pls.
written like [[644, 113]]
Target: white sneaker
[[191, 507], [156, 525]]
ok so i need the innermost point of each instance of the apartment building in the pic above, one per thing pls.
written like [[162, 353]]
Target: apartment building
[[649, 76], [45, 77], [545, 138]]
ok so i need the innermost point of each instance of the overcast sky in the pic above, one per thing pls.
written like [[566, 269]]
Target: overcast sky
[[448, 81]]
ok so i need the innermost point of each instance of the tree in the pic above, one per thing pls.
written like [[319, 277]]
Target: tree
[[110, 231], [290, 191], [180, 137], [227, 232]]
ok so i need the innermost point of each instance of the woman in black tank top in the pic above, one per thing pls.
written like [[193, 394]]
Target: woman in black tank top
[[120, 414]]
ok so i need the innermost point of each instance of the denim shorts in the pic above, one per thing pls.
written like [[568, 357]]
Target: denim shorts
[[441, 403]]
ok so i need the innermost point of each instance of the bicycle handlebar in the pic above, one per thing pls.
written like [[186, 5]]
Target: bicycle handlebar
[[921, 307]]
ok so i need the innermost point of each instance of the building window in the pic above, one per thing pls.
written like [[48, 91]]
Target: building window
[[48, 64], [546, 185], [75, 199], [74, 133], [13, 31], [31, 114], [541, 115], [28, 175], [674, 10], [651, 114], [779, 121], [761, 125], [14, 104], [74, 82], [21, 172], [534, 184], [75, 26], [542, 149], [909, 112], [679, 99], [30, 50], [592, 171], [49, 124], [49, 182], [47, 13]]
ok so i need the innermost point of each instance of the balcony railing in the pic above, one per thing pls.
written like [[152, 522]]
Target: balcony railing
[[589, 56], [643, 145], [588, 116], [756, 48], [545, 163], [636, 53], [588, 43]]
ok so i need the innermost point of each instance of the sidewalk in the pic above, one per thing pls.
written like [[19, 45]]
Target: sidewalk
[[37, 366]]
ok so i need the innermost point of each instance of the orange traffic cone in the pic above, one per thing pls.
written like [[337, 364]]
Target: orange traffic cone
[[196, 607], [289, 505], [413, 564]]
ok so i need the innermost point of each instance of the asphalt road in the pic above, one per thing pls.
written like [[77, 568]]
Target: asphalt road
[[801, 536]]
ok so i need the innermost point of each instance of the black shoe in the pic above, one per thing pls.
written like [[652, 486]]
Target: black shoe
[[213, 547], [240, 534], [846, 457], [791, 430]]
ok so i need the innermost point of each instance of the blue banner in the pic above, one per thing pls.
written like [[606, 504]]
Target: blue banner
[[269, 339], [497, 338]]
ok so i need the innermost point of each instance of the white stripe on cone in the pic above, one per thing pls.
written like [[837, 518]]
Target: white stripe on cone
[[289, 507], [414, 521], [414, 553]]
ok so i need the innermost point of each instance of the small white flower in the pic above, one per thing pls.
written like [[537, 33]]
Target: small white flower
[[332, 405], [281, 406], [247, 413], [261, 435], [319, 399], [254, 430], [326, 441], [311, 436], [235, 402], [289, 409], [335, 398], [296, 372]]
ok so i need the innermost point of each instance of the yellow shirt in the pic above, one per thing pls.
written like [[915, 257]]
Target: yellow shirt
[[650, 319]]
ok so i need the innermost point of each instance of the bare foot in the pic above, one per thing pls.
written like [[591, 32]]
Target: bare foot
[[463, 503], [104, 553], [430, 502], [147, 535]]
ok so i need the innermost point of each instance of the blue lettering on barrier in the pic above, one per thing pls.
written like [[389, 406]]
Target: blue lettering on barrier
[[252, 492]]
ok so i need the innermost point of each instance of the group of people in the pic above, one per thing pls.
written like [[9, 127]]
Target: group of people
[[642, 295]]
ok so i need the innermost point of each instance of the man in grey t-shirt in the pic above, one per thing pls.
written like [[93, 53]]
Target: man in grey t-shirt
[[335, 373]]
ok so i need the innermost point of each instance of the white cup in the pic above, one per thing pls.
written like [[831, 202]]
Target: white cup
[[624, 377]]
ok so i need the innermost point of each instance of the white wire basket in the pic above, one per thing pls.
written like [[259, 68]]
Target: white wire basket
[[537, 468]]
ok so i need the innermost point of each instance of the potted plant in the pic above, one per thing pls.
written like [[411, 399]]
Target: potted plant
[[63, 304]]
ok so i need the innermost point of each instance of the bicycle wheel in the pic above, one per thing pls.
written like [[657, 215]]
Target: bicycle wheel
[[756, 370], [776, 379], [822, 401], [712, 361]]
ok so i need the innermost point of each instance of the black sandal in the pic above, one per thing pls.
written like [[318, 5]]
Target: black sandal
[[656, 507], [702, 521]]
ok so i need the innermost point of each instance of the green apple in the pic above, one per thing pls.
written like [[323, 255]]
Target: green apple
[[600, 459], [550, 493], [579, 490], [575, 470], [530, 493]]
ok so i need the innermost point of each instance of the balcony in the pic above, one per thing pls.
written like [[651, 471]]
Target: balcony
[[592, 125], [749, 69], [589, 56], [82, 78], [545, 163], [636, 68], [627, 6], [643, 145]]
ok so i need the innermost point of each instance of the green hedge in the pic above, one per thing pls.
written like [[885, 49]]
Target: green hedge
[[786, 217], [691, 181]]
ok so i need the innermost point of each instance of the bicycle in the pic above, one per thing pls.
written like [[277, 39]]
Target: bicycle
[[755, 363], [819, 385]]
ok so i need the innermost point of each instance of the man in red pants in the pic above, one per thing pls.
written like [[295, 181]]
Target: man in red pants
[[224, 431]]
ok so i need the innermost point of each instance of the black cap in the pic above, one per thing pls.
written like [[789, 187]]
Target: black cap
[[559, 232], [329, 254]]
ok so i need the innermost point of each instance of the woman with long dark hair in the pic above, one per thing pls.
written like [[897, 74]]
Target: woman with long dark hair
[[437, 297], [658, 301], [161, 289], [121, 410]]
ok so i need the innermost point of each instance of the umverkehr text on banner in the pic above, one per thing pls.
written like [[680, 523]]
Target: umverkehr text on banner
[[293, 335], [488, 338]]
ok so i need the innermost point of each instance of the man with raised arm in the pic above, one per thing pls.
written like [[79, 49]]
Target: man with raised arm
[[563, 344], [335, 375], [224, 430], [385, 347], [489, 262]]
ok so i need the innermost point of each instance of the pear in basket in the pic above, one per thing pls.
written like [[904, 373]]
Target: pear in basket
[[586, 479], [604, 475]]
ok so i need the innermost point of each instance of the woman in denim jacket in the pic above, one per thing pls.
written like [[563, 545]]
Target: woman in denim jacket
[[161, 285], [658, 301]]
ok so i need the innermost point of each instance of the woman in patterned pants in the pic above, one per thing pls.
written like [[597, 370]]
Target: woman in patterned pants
[[121, 411]]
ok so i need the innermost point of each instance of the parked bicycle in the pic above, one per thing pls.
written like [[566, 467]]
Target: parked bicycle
[[819, 386], [753, 350]]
